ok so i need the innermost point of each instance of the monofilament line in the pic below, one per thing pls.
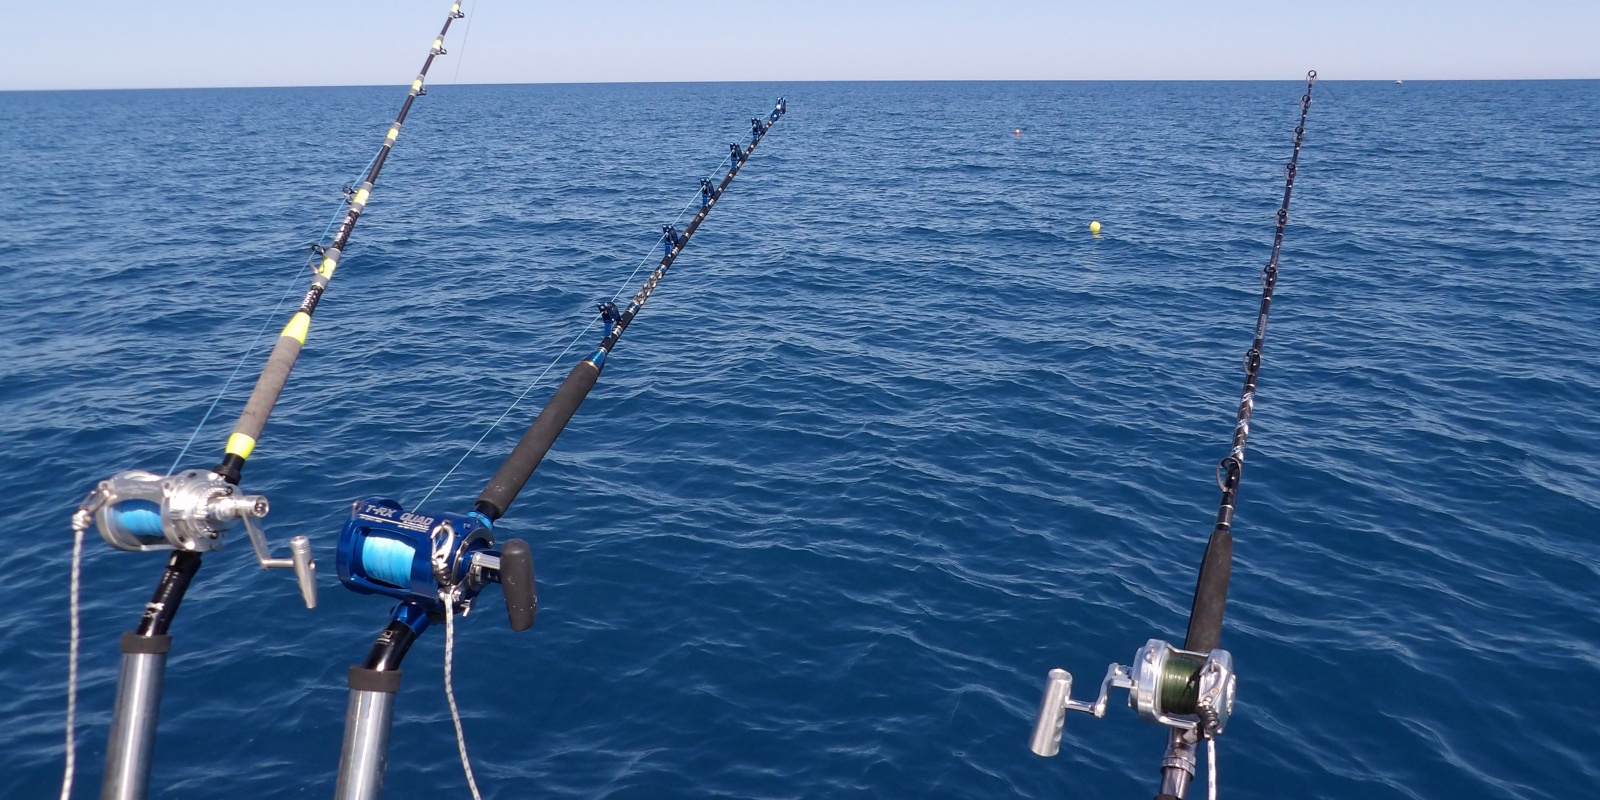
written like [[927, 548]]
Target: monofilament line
[[504, 414], [287, 290], [626, 283], [461, 57]]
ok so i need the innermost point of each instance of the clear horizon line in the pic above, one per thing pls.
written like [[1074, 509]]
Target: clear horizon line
[[846, 80]]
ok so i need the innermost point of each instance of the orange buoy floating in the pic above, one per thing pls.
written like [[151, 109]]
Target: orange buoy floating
[[1017, 132]]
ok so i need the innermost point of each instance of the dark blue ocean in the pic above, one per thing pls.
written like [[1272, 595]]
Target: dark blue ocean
[[895, 436]]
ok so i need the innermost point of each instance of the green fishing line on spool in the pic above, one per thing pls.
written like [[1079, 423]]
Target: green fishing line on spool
[[1180, 684]]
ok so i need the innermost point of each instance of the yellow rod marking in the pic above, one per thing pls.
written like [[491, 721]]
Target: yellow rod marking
[[361, 198], [298, 327], [241, 445], [327, 268]]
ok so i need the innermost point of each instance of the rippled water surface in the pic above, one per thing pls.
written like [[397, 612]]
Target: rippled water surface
[[894, 438]]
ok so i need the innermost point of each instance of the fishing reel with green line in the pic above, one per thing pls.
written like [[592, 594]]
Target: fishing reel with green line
[[1189, 691], [190, 511]]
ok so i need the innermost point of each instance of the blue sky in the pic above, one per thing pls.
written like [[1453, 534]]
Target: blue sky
[[76, 44]]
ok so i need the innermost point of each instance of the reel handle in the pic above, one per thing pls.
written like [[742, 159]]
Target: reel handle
[[516, 582], [299, 560]]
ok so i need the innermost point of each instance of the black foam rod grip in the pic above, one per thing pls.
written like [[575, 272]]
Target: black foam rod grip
[[524, 459], [516, 580], [1211, 593]]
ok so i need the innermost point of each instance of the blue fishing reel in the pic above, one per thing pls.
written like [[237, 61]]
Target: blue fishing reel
[[426, 560]]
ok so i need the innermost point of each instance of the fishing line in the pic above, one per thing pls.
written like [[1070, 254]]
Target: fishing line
[[506, 413], [450, 558], [1190, 691], [461, 58], [333, 219], [1216, 565], [626, 282], [287, 290], [188, 512]]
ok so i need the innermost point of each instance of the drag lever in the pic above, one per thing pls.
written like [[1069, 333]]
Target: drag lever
[[300, 560]]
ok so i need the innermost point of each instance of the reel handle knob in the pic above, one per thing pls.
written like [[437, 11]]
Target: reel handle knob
[[516, 582], [1052, 714], [305, 569]]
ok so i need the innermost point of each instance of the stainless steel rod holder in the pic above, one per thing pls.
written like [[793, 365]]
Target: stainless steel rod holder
[[133, 726]]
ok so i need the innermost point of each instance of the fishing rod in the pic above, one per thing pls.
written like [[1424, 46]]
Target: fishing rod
[[437, 563], [1190, 691], [190, 512]]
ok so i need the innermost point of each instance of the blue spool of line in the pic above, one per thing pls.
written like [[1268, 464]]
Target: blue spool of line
[[138, 517], [387, 561]]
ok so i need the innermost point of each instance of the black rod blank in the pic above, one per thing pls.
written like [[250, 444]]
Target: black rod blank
[[1216, 566], [514, 472]]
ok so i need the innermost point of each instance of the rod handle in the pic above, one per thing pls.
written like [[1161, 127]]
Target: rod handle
[[516, 582], [1211, 593], [525, 457]]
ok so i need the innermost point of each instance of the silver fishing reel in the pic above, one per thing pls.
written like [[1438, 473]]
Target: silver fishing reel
[[192, 510], [1189, 692]]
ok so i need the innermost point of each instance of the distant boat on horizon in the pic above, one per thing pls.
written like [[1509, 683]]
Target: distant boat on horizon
[[1397, 83]]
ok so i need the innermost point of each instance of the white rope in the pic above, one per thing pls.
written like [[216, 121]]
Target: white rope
[[1211, 766], [80, 524], [450, 692]]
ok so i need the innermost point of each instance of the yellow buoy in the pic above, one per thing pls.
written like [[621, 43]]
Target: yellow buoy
[[1094, 227]]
